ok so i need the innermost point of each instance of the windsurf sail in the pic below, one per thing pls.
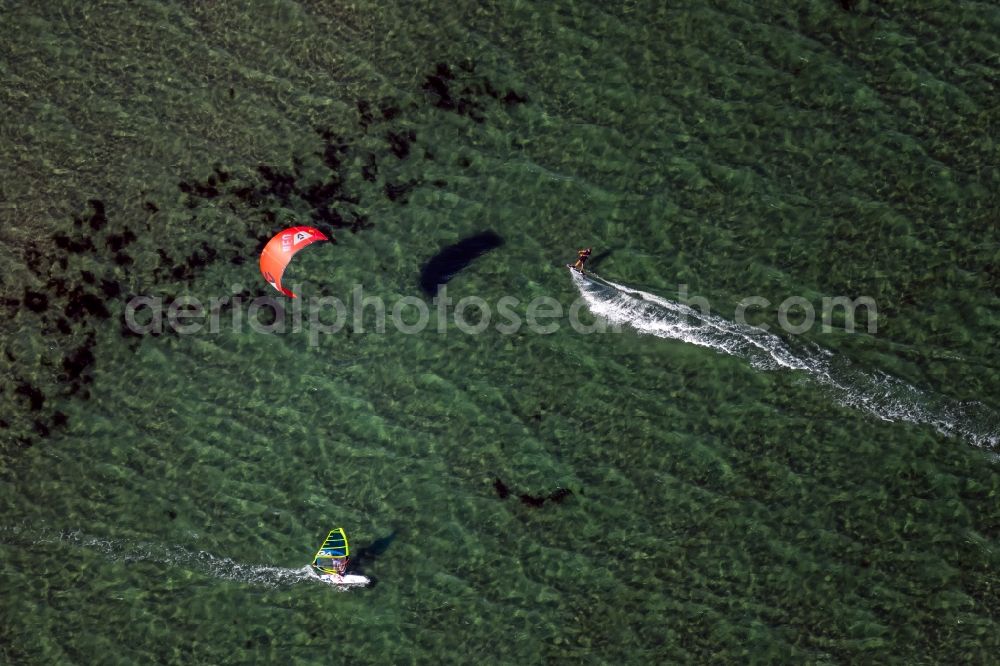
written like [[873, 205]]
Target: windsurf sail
[[332, 555], [280, 250]]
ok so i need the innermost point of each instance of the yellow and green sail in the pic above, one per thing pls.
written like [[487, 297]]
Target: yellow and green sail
[[332, 555]]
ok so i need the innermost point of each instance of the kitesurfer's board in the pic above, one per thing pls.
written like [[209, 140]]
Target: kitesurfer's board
[[347, 580], [573, 268]]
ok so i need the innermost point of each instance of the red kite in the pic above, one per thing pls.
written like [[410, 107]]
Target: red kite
[[280, 250]]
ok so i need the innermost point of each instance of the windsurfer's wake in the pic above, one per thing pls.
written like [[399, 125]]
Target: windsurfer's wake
[[224, 568], [877, 393], [127, 551]]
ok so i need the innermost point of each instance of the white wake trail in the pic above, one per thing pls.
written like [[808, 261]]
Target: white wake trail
[[648, 313], [123, 550], [880, 394]]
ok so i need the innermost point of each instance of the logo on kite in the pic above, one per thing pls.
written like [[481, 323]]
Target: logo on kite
[[280, 250]]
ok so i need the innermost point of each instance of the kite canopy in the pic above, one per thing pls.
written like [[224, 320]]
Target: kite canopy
[[280, 250]]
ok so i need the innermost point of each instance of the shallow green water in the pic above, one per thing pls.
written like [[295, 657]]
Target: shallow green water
[[830, 499]]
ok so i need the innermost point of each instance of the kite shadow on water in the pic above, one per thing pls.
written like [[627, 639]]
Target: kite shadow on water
[[594, 261], [445, 264]]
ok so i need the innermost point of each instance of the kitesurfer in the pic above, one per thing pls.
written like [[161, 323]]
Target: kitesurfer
[[581, 259]]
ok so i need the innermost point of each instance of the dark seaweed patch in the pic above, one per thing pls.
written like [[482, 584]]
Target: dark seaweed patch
[[36, 301], [398, 191], [76, 362], [537, 501], [369, 170], [98, 218], [33, 259], [365, 117], [280, 185], [165, 259], [481, 87], [74, 245], [437, 85], [321, 194], [202, 258], [181, 272], [57, 286], [360, 223], [534, 501], [110, 288], [331, 156], [80, 295], [36, 399], [441, 84], [559, 494], [206, 190], [452, 259], [399, 142], [284, 189], [471, 108], [513, 99], [328, 216], [352, 199], [249, 195], [116, 242], [389, 111], [366, 114]]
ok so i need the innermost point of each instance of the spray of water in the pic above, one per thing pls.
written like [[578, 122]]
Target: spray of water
[[123, 550], [877, 393]]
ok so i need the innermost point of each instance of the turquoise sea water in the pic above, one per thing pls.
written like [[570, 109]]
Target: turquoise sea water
[[735, 496]]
